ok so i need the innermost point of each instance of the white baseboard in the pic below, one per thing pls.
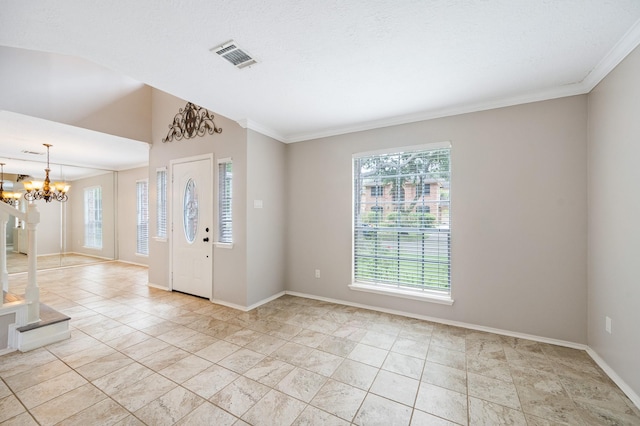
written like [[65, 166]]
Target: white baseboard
[[229, 305], [248, 308], [159, 287], [267, 300], [447, 322], [131, 263], [634, 397]]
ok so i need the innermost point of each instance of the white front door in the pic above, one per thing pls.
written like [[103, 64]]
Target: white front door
[[192, 227]]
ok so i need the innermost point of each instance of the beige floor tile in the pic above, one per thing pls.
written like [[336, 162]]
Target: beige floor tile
[[420, 418], [493, 390], [67, 404], [321, 362], [310, 338], [311, 416], [337, 345], [169, 408], [351, 364], [10, 407], [50, 389], [414, 348], [442, 402], [120, 379], [376, 410], [37, 374], [207, 414], [210, 381], [145, 348], [292, 353], [104, 412], [242, 360], [80, 358], [185, 369], [483, 413], [239, 396], [368, 355], [217, 351], [445, 377], [163, 358], [122, 342], [269, 371], [195, 342], [549, 406], [103, 366], [339, 399], [355, 374], [404, 364], [275, 408], [301, 384], [16, 363], [395, 387], [142, 392], [448, 357], [24, 419]]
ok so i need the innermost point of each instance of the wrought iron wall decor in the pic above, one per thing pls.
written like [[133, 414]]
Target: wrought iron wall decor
[[190, 122]]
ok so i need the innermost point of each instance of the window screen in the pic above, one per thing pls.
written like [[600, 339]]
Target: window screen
[[402, 231]]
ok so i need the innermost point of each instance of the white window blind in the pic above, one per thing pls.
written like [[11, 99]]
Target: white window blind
[[161, 203], [225, 190], [402, 229], [142, 222], [93, 217]]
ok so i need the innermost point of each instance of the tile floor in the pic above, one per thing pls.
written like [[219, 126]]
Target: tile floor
[[138, 355]]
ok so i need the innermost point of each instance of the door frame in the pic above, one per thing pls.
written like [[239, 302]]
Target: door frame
[[170, 207]]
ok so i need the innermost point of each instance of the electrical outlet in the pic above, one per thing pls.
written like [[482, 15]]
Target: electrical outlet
[[607, 324], [317, 273]]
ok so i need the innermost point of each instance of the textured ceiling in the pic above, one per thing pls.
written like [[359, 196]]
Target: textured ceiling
[[330, 67]]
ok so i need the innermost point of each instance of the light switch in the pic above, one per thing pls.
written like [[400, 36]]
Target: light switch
[[257, 204]]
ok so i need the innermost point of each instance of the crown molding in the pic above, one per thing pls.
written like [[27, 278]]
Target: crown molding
[[620, 50], [543, 95], [246, 123]]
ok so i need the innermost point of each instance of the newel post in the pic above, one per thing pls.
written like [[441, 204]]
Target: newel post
[[32, 293]]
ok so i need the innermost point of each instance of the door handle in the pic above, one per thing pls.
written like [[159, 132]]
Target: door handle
[[205, 239]]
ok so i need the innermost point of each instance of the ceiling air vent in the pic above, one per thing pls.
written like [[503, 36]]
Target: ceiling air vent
[[232, 53]]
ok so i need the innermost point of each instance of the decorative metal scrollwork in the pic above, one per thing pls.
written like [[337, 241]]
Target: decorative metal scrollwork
[[190, 122]]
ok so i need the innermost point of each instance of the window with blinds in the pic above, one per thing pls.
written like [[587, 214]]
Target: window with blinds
[[93, 217], [161, 203], [142, 217], [402, 228], [225, 189]]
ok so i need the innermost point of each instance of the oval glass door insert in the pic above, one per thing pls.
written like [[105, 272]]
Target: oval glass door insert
[[190, 211]]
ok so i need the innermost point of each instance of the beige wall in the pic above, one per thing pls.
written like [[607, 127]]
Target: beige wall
[[614, 219], [265, 226], [229, 265], [127, 215], [75, 207], [519, 203]]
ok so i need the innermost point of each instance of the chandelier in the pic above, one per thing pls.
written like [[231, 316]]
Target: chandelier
[[39, 190], [10, 198]]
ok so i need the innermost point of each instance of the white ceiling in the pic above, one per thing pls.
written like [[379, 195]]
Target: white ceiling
[[330, 67]]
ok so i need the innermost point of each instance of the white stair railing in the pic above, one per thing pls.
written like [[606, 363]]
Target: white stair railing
[[32, 292]]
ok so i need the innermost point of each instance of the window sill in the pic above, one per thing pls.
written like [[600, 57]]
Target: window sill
[[160, 239], [224, 245], [395, 292]]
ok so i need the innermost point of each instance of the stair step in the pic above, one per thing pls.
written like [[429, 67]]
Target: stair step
[[48, 316]]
